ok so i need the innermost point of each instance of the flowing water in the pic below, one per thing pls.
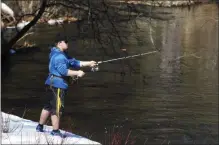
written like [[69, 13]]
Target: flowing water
[[168, 97]]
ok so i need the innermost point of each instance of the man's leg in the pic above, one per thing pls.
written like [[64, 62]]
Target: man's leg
[[43, 117], [57, 109], [46, 111], [55, 122]]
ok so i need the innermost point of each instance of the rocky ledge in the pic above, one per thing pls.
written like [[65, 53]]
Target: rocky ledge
[[163, 3]]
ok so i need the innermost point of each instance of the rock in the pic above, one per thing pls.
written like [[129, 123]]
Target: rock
[[22, 24], [163, 3], [12, 51], [7, 10], [55, 21]]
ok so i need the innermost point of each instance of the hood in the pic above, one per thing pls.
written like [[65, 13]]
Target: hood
[[54, 50]]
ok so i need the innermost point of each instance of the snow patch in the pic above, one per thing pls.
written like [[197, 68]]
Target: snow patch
[[16, 130]]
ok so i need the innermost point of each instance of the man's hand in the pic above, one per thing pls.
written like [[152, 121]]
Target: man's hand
[[80, 73], [93, 63]]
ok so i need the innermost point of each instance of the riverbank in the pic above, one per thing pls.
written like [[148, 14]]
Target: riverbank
[[17, 130], [67, 17], [164, 3]]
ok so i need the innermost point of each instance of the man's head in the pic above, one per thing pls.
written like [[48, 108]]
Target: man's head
[[61, 42]]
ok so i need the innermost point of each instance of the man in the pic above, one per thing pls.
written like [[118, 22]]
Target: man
[[57, 85]]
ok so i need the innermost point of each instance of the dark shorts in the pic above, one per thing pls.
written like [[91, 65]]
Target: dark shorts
[[54, 100]]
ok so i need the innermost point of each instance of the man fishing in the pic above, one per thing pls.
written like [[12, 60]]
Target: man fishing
[[57, 85]]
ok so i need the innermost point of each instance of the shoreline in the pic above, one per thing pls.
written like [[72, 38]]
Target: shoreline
[[167, 4], [16, 129]]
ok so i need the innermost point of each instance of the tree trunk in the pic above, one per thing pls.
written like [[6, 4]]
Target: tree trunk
[[6, 46]]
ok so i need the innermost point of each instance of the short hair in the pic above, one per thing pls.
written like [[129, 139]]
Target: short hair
[[60, 37]]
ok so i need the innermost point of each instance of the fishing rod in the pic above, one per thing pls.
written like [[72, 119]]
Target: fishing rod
[[96, 68]]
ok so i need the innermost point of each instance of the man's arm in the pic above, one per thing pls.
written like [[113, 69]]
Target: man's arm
[[61, 66], [74, 63], [72, 73], [87, 63], [77, 63]]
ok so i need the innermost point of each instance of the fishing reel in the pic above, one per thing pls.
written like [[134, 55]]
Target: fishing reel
[[95, 68], [74, 79]]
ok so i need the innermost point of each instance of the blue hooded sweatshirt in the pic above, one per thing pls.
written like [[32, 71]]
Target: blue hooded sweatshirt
[[59, 64]]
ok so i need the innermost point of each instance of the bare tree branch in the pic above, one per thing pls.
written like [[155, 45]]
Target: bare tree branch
[[28, 26]]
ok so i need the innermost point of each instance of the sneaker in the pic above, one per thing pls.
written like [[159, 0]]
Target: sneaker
[[57, 133], [39, 128]]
